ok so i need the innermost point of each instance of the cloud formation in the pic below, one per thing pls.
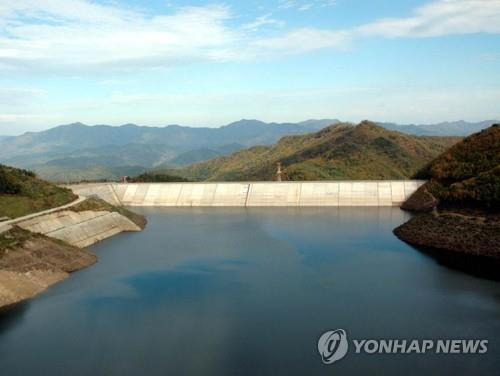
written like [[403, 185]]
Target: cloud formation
[[76, 35], [80, 36], [444, 17], [302, 5]]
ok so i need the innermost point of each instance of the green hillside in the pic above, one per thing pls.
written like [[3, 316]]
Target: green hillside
[[152, 177], [64, 174], [463, 193], [341, 151], [21, 193], [77, 152], [466, 174]]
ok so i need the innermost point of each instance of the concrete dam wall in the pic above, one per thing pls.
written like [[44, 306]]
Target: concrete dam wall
[[250, 194], [80, 229]]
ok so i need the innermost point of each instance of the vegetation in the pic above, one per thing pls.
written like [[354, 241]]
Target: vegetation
[[96, 204], [78, 174], [21, 193], [468, 174], [75, 152], [157, 177], [475, 235], [12, 238], [463, 192], [341, 151]]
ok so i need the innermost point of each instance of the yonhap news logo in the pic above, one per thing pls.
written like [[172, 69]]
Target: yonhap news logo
[[333, 345]]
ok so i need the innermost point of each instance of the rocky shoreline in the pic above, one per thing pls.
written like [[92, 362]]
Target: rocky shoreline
[[39, 252], [467, 243], [34, 262], [453, 232], [468, 240], [457, 209]]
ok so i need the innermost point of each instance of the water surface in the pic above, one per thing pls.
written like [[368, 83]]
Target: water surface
[[248, 292]]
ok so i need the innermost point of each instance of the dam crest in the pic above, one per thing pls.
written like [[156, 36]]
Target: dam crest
[[253, 194]]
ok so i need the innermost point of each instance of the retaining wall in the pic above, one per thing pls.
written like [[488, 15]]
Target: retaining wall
[[330, 193], [80, 229]]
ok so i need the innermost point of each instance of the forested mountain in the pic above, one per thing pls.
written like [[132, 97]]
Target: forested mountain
[[341, 151], [77, 151], [80, 152]]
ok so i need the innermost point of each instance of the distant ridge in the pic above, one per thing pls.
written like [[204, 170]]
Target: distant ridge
[[447, 128], [340, 151], [77, 151]]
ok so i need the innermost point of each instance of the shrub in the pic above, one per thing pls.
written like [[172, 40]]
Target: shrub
[[7, 185]]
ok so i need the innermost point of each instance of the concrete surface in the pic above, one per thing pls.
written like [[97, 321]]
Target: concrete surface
[[43, 212], [80, 229], [324, 193]]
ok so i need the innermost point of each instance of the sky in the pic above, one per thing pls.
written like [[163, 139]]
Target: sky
[[204, 63]]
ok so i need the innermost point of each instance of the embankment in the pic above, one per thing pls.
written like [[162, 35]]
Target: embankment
[[31, 262], [80, 229], [38, 251], [248, 194]]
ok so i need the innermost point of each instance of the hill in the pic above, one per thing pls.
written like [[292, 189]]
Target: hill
[[341, 151], [463, 193], [467, 174], [21, 193], [151, 177], [77, 151], [447, 128], [105, 152]]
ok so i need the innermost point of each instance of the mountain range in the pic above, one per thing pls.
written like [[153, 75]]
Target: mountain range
[[77, 151], [341, 151], [447, 128]]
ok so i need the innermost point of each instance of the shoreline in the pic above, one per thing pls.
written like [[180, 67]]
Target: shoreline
[[467, 243], [42, 249]]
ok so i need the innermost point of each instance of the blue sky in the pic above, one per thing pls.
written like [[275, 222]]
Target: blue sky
[[209, 63]]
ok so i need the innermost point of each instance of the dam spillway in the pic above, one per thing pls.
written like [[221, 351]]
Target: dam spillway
[[253, 194]]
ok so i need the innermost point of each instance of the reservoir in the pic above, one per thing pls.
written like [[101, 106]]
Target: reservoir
[[249, 291]]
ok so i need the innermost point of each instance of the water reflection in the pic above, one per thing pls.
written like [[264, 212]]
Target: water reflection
[[249, 291], [11, 315]]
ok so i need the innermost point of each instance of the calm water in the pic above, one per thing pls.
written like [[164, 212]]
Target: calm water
[[248, 292]]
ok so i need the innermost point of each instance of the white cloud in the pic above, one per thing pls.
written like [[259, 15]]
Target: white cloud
[[79, 36], [306, 6], [265, 20], [303, 40], [287, 4], [440, 18], [328, 3]]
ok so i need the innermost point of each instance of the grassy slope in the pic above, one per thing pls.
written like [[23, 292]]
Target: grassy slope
[[31, 194], [96, 204], [466, 174], [341, 151], [152, 177], [65, 174]]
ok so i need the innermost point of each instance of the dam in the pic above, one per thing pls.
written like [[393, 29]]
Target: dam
[[254, 194], [223, 271]]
